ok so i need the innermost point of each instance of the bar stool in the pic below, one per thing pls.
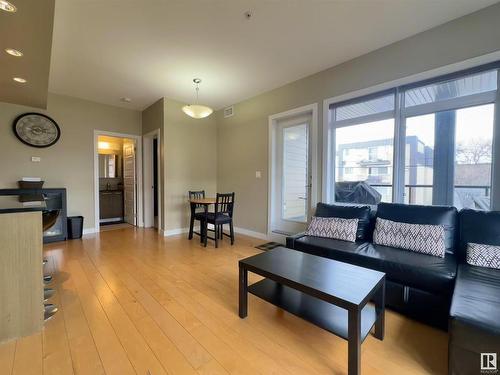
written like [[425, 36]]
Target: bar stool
[[49, 309]]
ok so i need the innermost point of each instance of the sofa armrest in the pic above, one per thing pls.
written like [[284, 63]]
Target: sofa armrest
[[290, 240]]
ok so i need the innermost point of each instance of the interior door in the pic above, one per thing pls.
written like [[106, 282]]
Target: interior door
[[292, 177], [129, 181]]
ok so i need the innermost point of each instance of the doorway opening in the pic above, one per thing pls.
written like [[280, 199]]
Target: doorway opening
[[152, 180], [292, 171], [117, 190]]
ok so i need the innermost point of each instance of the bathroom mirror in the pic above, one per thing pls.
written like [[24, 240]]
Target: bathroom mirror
[[110, 166]]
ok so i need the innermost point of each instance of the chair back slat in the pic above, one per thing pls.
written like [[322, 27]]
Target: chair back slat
[[199, 194], [224, 203]]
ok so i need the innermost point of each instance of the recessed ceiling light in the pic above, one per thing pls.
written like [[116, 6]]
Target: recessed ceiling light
[[125, 99], [19, 79], [13, 52], [8, 7]]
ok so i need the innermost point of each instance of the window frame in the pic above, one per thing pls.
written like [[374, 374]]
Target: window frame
[[400, 114]]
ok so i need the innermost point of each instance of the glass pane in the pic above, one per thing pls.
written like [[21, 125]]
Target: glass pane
[[468, 85], [295, 172], [419, 163], [365, 108], [473, 151], [364, 162]]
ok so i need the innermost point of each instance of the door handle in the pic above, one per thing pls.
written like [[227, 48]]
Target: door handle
[[303, 198]]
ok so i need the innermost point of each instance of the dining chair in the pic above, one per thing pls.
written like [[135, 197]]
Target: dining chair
[[197, 212], [223, 214]]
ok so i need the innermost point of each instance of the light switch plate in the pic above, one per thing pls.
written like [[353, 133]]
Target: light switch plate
[[258, 174], [36, 159]]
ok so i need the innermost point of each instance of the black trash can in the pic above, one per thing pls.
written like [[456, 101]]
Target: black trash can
[[75, 227]]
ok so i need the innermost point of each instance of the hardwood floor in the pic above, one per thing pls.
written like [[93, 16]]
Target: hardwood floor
[[132, 302]]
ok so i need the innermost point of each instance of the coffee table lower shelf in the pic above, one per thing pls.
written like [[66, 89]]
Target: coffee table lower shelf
[[323, 314]]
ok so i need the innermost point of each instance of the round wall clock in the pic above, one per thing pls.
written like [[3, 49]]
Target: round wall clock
[[36, 130]]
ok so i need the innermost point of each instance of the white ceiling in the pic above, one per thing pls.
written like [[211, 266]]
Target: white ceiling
[[107, 49], [28, 30]]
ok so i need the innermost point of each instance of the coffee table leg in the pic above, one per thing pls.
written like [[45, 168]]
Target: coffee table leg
[[243, 292], [380, 311], [354, 342]]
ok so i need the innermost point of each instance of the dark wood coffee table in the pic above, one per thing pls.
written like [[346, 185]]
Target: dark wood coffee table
[[333, 295]]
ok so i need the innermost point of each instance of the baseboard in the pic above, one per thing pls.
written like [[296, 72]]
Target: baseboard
[[174, 232], [246, 232], [89, 231], [251, 233], [112, 219]]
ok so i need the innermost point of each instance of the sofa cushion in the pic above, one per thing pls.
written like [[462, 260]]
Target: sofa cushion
[[333, 227], [478, 227], [362, 213], [325, 247], [416, 270], [416, 214], [474, 325], [421, 238], [483, 255], [476, 299]]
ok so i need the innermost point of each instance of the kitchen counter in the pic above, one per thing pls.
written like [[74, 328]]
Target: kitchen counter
[[21, 279], [11, 204]]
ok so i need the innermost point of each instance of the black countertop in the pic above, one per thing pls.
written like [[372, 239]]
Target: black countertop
[[10, 204]]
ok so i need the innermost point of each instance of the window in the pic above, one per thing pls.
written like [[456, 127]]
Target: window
[[473, 156], [364, 144], [419, 158], [435, 147]]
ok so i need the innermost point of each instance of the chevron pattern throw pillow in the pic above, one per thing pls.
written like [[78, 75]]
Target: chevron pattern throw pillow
[[333, 227], [483, 255], [421, 238]]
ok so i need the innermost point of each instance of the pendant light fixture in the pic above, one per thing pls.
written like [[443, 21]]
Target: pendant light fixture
[[197, 110]]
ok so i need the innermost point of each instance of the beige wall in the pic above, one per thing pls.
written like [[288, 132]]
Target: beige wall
[[243, 138], [188, 158], [69, 163], [153, 119], [190, 161]]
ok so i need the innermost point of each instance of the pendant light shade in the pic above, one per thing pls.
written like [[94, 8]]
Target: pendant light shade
[[197, 110]]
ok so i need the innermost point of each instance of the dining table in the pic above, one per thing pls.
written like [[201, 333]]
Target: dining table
[[205, 202]]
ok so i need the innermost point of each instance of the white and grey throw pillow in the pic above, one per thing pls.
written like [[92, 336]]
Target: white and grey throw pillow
[[422, 238], [483, 255], [333, 227]]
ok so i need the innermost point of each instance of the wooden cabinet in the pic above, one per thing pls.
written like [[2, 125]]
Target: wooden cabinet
[[110, 204]]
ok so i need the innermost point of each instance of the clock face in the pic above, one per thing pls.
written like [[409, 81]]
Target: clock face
[[37, 130]]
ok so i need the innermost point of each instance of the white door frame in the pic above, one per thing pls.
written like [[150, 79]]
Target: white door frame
[[139, 196], [148, 178], [273, 122]]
